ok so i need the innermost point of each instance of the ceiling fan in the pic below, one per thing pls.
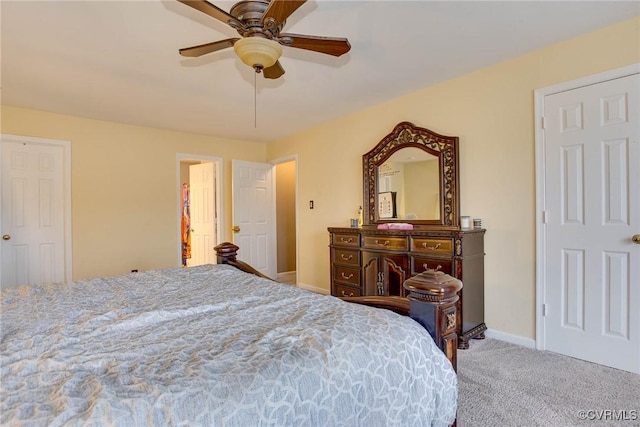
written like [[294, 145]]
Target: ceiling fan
[[259, 22]]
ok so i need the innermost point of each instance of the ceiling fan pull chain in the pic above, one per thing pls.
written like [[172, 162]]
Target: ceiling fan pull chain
[[255, 100]]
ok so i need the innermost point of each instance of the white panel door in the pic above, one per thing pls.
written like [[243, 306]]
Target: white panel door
[[33, 239], [592, 207], [254, 215], [203, 213]]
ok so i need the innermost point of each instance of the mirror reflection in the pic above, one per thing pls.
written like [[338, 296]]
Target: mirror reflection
[[411, 176], [409, 186]]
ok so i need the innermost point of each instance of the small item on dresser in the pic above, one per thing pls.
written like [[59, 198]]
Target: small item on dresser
[[354, 222], [400, 226], [360, 219], [395, 226], [477, 223], [465, 222]]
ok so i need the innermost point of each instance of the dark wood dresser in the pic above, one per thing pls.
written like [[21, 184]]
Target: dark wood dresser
[[371, 261]]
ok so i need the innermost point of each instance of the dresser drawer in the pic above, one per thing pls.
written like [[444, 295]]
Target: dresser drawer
[[346, 257], [384, 242], [420, 264], [346, 275], [346, 239], [346, 291], [432, 245]]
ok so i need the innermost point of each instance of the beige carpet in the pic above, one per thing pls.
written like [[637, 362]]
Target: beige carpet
[[502, 384]]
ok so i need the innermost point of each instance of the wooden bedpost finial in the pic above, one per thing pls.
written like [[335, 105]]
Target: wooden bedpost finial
[[226, 252], [432, 302], [433, 286]]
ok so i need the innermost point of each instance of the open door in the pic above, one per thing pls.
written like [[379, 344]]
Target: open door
[[203, 213], [199, 208], [254, 225]]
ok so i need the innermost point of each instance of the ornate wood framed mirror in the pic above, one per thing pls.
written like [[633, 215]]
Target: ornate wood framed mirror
[[411, 176]]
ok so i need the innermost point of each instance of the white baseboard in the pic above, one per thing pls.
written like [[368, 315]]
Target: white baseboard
[[315, 289], [510, 338]]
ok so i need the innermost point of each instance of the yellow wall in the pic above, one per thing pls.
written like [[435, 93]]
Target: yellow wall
[[491, 110], [124, 187]]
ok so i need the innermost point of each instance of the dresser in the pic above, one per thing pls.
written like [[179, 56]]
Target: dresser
[[367, 261]]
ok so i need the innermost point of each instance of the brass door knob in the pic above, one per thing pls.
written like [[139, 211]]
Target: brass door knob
[[235, 229], [636, 239], [6, 237]]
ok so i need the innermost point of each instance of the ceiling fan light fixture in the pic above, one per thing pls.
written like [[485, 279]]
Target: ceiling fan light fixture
[[258, 52]]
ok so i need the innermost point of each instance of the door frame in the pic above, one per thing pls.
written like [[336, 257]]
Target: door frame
[[66, 188], [286, 159], [180, 157], [539, 96]]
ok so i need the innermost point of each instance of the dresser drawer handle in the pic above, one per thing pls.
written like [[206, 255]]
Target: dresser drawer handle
[[384, 243], [344, 276], [433, 248], [426, 267], [346, 258], [344, 294], [349, 240]]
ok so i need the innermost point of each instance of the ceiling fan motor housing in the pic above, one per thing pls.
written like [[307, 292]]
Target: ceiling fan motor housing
[[250, 12]]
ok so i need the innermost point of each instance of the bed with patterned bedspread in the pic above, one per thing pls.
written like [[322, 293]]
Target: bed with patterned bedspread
[[213, 346]]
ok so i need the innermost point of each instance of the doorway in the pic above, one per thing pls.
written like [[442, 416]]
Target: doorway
[[588, 190], [36, 211], [286, 223], [199, 208]]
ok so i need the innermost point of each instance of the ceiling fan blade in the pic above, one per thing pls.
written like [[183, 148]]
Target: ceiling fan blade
[[274, 71], [213, 11], [203, 49], [279, 10], [335, 46]]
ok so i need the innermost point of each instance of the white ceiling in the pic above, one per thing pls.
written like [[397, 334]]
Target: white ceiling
[[118, 60]]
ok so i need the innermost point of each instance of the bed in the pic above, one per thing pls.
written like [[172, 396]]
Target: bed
[[217, 346]]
